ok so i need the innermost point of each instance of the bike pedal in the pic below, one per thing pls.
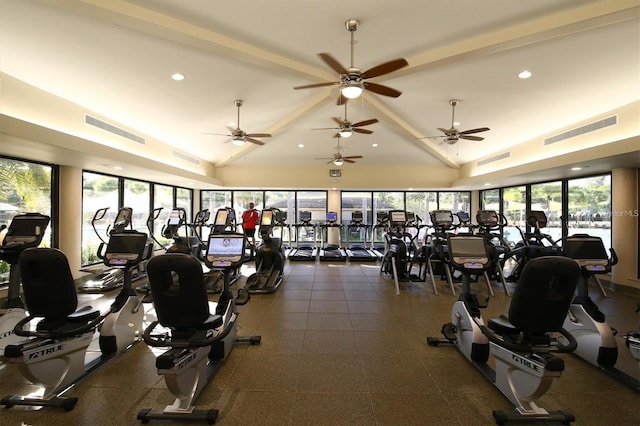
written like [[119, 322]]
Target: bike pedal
[[449, 331]]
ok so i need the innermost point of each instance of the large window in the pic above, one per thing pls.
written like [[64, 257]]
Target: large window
[[162, 197], [590, 207], [547, 197], [98, 192], [25, 187], [356, 202], [184, 199], [137, 195], [514, 207]]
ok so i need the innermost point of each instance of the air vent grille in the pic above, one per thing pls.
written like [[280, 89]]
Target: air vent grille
[[494, 158], [96, 122], [606, 122], [186, 157]]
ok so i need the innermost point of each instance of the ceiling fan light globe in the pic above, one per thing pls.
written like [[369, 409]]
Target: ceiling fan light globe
[[352, 90], [238, 142], [345, 133], [338, 161]]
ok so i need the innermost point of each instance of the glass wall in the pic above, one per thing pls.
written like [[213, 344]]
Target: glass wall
[[284, 201], [356, 202], [112, 192], [25, 187], [184, 199], [585, 206]]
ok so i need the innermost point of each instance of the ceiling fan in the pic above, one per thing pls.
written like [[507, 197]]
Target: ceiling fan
[[239, 136], [346, 128], [338, 159], [452, 135], [353, 80]]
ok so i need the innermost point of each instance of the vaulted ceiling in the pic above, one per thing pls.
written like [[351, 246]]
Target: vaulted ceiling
[[117, 58]]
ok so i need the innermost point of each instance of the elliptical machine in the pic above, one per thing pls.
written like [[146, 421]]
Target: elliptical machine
[[269, 257], [25, 231], [110, 278], [396, 260], [199, 341], [53, 354], [596, 340], [521, 343]]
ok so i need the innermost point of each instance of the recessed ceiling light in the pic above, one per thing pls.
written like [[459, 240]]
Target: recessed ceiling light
[[177, 76], [300, 145], [525, 74], [575, 169], [117, 168], [487, 184], [375, 145]]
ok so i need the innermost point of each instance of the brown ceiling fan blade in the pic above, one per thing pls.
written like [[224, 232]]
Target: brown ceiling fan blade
[[385, 68], [341, 99], [337, 135], [447, 131], [256, 141], [325, 128], [365, 122], [339, 121], [382, 90], [478, 130], [333, 63], [217, 134], [331, 161], [365, 131], [346, 160], [471, 138], [259, 135], [309, 86], [350, 157]]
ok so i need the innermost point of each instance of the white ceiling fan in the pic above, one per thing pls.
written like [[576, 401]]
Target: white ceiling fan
[[239, 136]]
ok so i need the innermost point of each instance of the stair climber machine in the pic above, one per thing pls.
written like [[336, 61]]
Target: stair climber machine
[[56, 335], [490, 225], [586, 323], [331, 251], [378, 244], [523, 343], [199, 334], [269, 257], [305, 249], [396, 260], [25, 231], [357, 250], [110, 278]]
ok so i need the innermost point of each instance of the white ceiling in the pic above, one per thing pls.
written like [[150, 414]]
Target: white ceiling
[[116, 58]]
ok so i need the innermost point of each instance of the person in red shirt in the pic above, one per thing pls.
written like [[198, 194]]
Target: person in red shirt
[[249, 223]]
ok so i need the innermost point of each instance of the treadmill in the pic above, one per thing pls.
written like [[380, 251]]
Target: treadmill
[[358, 251], [305, 249], [331, 251]]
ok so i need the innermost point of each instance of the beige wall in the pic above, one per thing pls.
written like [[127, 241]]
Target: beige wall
[[625, 226]]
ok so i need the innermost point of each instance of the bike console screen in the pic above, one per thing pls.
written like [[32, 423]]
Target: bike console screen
[[225, 250]]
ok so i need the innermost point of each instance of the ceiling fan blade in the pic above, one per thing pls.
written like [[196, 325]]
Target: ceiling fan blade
[[385, 68], [433, 137], [256, 141], [346, 160], [331, 161], [478, 130], [350, 157], [341, 99], [447, 131], [365, 122], [382, 90], [365, 131], [326, 128], [333, 63], [217, 134], [309, 86], [258, 135], [471, 138], [339, 121]]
